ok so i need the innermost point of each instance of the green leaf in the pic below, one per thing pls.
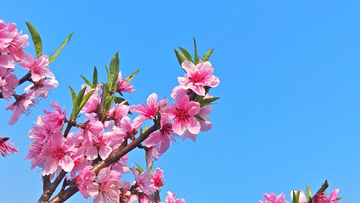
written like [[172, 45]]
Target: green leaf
[[199, 117], [35, 38], [208, 101], [73, 95], [207, 55], [118, 100], [146, 128], [186, 54], [180, 57], [139, 169], [114, 71], [308, 193], [87, 81], [296, 196], [95, 77], [107, 70], [79, 99], [132, 75], [196, 58], [85, 99], [52, 58], [198, 98], [108, 105]]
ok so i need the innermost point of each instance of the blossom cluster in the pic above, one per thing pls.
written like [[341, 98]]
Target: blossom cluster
[[317, 198], [12, 45], [106, 130]]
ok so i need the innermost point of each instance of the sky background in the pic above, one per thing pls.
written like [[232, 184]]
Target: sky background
[[289, 113]]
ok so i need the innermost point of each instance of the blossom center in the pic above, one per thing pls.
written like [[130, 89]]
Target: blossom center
[[197, 77]]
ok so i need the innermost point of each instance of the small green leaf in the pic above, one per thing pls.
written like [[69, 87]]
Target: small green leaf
[[108, 105], [186, 54], [308, 193], [196, 57], [87, 81], [146, 128], [198, 98], [107, 70], [52, 58], [114, 71], [132, 75], [199, 117], [295, 196], [73, 95], [85, 99], [139, 169], [35, 38], [79, 99], [208, 101], [95, 77], [207, 55], [118, 100], [180, 57]]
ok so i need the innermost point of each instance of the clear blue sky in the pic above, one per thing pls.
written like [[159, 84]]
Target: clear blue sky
[[289, 112]]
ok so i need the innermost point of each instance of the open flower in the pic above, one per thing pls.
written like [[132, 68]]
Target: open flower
[[183, 114], [272, 198], [151, 108], [197, 77], [37, 67]]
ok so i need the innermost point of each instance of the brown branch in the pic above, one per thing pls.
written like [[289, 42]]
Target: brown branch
[[320, 191], [157, 196], [49, 188]]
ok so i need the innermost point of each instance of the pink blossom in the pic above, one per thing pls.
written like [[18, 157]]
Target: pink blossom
[[6, 61], [183, 114], [125, 130], [321, 198], [151, 108], [7, 148], [121, 165], [11, 41], [151, 152], [117, 112], [37, 67], [205, 125], [56, 153], [100, 146], [157, 178], [143, 180], [93, 102], [162, 137], [109, 186], [20, 106], [42, 87], [55, 118], [8, 82], [86, 184], [170, 198], [272, 198], [123, 86], [197, 77]]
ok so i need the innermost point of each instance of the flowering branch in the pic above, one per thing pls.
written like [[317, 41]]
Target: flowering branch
[[113, 158]]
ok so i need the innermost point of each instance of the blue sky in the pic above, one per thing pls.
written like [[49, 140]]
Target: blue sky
[[289, 86]]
